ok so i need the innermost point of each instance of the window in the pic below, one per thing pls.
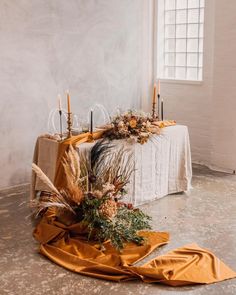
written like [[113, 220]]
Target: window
[[180, 39]]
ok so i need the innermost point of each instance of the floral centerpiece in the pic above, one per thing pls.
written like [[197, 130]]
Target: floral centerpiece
[[96, 182], [132, 124]]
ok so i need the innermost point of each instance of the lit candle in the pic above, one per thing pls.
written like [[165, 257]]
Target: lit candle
[[159, 88], [59, 102], [162, 110], [68, 101], [91, 121], [154, 94]]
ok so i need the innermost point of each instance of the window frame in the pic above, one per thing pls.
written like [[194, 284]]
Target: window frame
[[158, 75]]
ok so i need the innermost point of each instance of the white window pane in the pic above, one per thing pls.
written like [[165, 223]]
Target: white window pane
[[181, 4], [181, 45], [193, 31], [193, 3], [169, 72], [192, 59], [170, 4], [170, 31], [180, 73], [200, 74], [170, 17], [193, 15], [192, 45], [181, 31], [201, 20], [181, 16], [200, 59], [170, 45], [180, 59], [192, 73], [169, 59], [201, 31], [200, 45], [180, 39]]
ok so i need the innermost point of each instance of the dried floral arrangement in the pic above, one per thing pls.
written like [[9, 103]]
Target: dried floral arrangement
[[132, 124], [96, 182]]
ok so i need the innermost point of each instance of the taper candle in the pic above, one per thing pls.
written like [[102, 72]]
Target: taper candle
[[154, 94], [91, 121], [68, 101], [162, 110]]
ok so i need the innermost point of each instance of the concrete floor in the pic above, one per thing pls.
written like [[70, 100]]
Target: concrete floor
[[206, 215]]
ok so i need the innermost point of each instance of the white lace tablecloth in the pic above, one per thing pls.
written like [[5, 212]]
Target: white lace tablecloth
[[162, 165]]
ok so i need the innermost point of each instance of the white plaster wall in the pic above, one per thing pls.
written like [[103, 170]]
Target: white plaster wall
[[223, 111], [94, 48], [209, 108]]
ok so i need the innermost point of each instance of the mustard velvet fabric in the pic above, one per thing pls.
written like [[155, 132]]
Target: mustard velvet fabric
[[67, 246]]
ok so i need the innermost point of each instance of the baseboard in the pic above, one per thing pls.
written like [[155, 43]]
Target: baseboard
[[214, 168], [14, 188]]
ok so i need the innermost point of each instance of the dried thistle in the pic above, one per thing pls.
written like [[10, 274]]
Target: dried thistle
[[108, 209]]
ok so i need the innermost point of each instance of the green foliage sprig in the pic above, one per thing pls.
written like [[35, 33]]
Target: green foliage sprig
[[121, 228]]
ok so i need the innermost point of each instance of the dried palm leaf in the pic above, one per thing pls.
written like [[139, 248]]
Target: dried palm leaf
[[99, 152], [50, 201], [85, 166], [71, 160], [72, 171], [43, 177], [92, 161]]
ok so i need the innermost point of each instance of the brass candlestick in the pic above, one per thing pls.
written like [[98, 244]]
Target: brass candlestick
[[154, 116], [69, 125]]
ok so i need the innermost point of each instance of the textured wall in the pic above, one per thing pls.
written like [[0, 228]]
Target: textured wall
[[224, 90], [208, 108], [95, 48]]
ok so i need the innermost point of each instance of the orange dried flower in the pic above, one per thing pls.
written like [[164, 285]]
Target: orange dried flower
[[133, 123]]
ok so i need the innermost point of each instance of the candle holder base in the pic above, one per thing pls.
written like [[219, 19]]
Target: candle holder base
[[90, 138], [69, 125], [154, 116]]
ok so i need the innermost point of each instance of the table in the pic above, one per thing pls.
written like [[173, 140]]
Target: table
[[162, 165]]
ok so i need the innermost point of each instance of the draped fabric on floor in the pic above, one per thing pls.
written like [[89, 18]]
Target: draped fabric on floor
[[67, 246]]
